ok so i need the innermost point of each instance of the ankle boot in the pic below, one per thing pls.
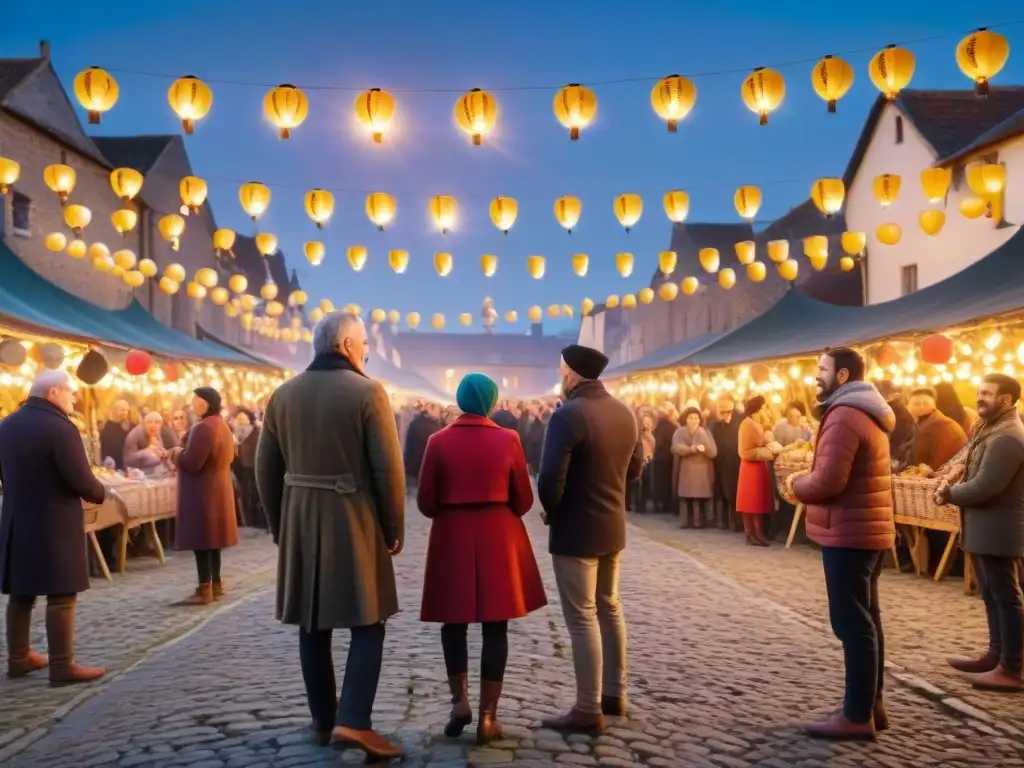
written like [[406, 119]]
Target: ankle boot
[[202, 596], [60, 636], [21, 659], [218, 590], [986, 663], [880, 716], [698, 516], [758, 533], [462, 713], [684, 516], [488, 728], [723, 517]]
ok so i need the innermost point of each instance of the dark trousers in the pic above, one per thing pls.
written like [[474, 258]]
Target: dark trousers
[[30, 600], [359, 687], [691, 512], [640, 490], [663, 492], [851, 581], [252, 509], [493, 655], [999, 579], [208, 565]]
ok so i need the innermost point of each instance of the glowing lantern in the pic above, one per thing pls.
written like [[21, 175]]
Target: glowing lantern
[[314, 252], [381, 209], [503, 212], [580, 264], [745, 251], [465, 318], [60, 179], [98, 250], [535, 314], [168, 286], [316, 315], [891, 70], [206, 277], [247, 302], [986, 179], [727, 278], [672, 99], [778, 250], [413, 320], [298, 298], [148, 268], [756, 272], [748, 202], [832, 79], [193, 191], [645, 295], [763, 91], [818, 261], [443, 264], [133, 279], [96, 91], [286, 107], [266, 244], [476, 113], [353, 309], [100, 264], [788, 269], [854, 242], [624, 263], [488, 264], [171, 226], [77, 217], [443, 210], [612, 302], [195, 291], [220, 296], [223, 241], [973, 207], [689, 285], [175, 272], [374, 109], [567, 211], [255, 199], [886, 355], [56, 241], [628, 209], [268, 291], [357, 255], [126, 183], [677, 206], [846, 263], [535, 266], [667, 262], [936, 349], [191, 99], [886, 189], [935, 183], [377, 316], [815, 246], [238, 283], [326, 305], [137, 362], [319, 206], [437, 321], [394, 317], [709, 259], [981, 56], [511, 316], [399, 260], [124, 258], [124, 220], [586, 306], [274, 309], [888, 233], [629, 301], [575, 108], [668, 291], [10, 171], [932, 221], [828, 195]]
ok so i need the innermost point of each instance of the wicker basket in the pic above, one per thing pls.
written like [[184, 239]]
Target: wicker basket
[[914, 498], [784, 469]]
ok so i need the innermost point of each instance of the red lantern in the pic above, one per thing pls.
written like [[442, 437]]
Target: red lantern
[[937, 349], [760, 373], [172, 372], [137, 362], [886, 355]]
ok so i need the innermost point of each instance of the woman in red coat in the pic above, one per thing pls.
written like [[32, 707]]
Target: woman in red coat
[[755, 494], [474, 484]]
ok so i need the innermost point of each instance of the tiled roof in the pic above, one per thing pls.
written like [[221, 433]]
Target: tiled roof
[[458, 349], [13, 72], [138, 152], [1013, 126], [254, 266]]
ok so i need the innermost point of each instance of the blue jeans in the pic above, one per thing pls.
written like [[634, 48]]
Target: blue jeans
[[359, 687]]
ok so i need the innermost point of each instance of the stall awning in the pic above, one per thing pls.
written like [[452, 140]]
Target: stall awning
[[666, 357]]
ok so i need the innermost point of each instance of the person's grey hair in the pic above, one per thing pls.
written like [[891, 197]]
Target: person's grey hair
[[46, 381], [331, 329], [153, 416]]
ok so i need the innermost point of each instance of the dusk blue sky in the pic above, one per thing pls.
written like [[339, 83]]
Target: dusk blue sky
[[457, 45]]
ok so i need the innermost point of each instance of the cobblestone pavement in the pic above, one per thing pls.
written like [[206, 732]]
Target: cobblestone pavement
[[719, 677]]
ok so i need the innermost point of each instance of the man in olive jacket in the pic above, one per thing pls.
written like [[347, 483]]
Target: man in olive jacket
[[330, 476], [992, 500]]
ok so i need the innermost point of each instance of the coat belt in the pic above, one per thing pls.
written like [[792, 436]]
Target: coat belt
[[340, 484]]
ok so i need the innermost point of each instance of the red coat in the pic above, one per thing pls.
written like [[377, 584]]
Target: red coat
[[475, 486]]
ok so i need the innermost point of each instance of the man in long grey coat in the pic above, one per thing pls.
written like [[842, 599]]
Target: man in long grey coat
[[330, 476]]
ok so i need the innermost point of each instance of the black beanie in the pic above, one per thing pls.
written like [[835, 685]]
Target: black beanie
[[93, 368], [587, 362], [211, 396]]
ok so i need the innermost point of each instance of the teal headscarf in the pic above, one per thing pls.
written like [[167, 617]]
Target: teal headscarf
[[476, 394]]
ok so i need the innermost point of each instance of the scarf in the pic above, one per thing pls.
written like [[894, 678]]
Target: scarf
[[332, 361], [986, 431]]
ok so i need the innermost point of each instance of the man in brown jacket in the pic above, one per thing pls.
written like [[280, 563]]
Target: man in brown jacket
[[849, 513], [938, 437]]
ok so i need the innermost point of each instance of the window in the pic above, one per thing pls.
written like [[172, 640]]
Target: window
[[21, 214], [909, 275], [899, 129]]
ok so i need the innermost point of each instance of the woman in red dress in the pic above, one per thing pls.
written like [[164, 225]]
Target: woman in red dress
[[755, 494], [474, 484]]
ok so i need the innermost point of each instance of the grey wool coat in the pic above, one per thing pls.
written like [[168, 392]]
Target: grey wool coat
[[330, 476]]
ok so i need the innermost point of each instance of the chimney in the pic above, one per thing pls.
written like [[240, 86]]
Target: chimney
[[44, 49]]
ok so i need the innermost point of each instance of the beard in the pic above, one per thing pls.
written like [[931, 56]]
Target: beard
[[825, 389]]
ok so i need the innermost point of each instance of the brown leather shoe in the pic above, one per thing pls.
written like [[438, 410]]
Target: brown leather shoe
[[997, 679], [371, 743], [21, 659], [613, 706], [488, 728], [576, 721], [218, 590], [985, 663], [880, 716], [60, 636], [202, 596], [839, 728], [461, 714]]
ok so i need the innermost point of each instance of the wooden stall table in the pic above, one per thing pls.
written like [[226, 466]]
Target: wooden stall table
[[99, 517], [142, 504], [916, 511]]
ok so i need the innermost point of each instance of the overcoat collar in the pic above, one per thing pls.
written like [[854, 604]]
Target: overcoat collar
[[38, 403], [471, 420]]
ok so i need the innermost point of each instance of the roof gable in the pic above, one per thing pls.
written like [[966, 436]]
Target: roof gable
[[13, 72]]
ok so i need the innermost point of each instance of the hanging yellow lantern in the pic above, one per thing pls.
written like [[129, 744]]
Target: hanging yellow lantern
[[102, 263], [96, 250], [191, 99], [206, 277], [231, 310], [475, 113], [465, 318], [219, 296], [286, 107], [195, 291], [96, 91], [763, 91], [832, 78], [745, 251], [77, 217], [973, 207], [353, 309], [381, 209], [756, 272], [667, 261], [123, 258], [645, 295], [503, 212], [124, 220], [126, 183], [60, 179], [489, 264], [168, 286], [535, 266], [193, 192], [10, 172], [56, 241], [586, 306], [932, 221], [223, 241], [778, 250], [274, 309], [171, 226], [846, 263], [437, 321], [981, 56], [886, 188], [668, 291], [377, 316], [889, 233], [816, 246], [319, 206], [580, 264], [148, 268], [575, 108], [77, 249], [413, 320], [133, 279], [935, 183], [443, 210], [567, 211], [727, 278], [314, 252], [677, 205], [709, 259], [266, 244], [788, 269], [818, 261], [672, 99], [986, 180], [689, 285], [511, 316], [357, 255], [828, 195], [327, 305], [854, 242], [175, 272], [612, 302], [629, 301], [443, 264], [628, 209], [535, 314], [238, 283], [891, 70], [268, 291], [748, 202], [255, 199], [394, 317], [247, 302], [623, 263], [375, 109], [554, 311], [399, 260]]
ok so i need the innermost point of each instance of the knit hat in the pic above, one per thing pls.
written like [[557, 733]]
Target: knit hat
[[586, 362], [212, 398], [476, 394]]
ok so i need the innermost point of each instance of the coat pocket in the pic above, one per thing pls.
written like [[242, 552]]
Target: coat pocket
[[819, 517]]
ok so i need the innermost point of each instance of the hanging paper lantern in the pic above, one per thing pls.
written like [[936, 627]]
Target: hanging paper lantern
[[612, 302], [171, 226], [511, 316], [266, 244], [475, 113], [223, 241], [298, 298], [672, 99], [193, 191], [10, 172], [437, 321], [935, 183], [889, 233], [667, 261], [535, 266], [828, 195], [195, 291], [936, 349], [443, 211], [756, 272], [891, 70], [709, 259], [760, 373], [176, 272], [60, 178], [645, 295], [748, 202], [319, 206], [286, 107], [628, 209], [375, 109], [274, 309], [623, 263], [788, 269], [77, 250], [745, 251], [247, 302], [973, 207], [191, 99], [413, 320], [778, 250], [535, 314], [220, 296], [763, 91], [986, 179], [567, 211], [394, 316], [846, 263], [56, 241], [314, 252], [115, 271], [832, 78], [886, 355], [854, 242], [326, 305], [586, 306], [443, 264], [268, 291], [575, 108], [689, 285], [818, 261], [399, 260], [568, 311], [77, 217], [13, 353], [124, 220], [96, 91], [503, 212], [92, 368], [148, 268], [103, 263], [377, 316], [629, 301], [981, 56], [677, 206], [168, 286], [137, 362], [580, 264], [465, 318], [816, 246], [238, 283], [206, 277], [668, 291], [727, 278], [381, 209], [886, 188], [554, 311], [123, 258], [126, 183], [255, 199], [932, 221], [489, 264], [356, 255]]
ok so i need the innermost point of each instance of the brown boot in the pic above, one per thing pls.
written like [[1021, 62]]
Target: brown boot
[[371, 743], [488, 728], [60, 636], [985, 663], [880, 716], [218, 590], [462, 713], [576, 721], [839, 728], [21, 659], [613, 706], [202, 596], [759, 537], [997, 679]]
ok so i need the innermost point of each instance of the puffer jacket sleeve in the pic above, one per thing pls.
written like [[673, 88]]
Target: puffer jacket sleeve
[[833, 460]]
